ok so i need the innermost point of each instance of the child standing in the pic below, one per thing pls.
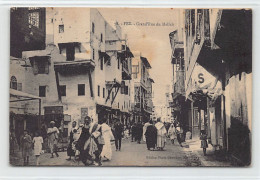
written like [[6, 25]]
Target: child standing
[[204, 143], [37, 141], [26, 146]]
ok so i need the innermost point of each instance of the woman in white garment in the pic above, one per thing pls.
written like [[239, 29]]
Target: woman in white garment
[[108, 136], [144, 130]]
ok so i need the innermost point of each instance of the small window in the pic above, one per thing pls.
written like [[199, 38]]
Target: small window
[[43, 67], [93, 27], [81, 89], [33, 19], [103, 92], [63, 90], [101, 37], [98, 90], [61, 28], [13, 83], [112, 95], [42, 91], [118, 105]]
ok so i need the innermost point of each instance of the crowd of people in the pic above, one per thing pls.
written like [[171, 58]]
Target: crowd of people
[[90, 142]]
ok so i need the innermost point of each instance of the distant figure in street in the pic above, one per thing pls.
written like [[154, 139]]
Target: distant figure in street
[[144, 130], [119, 130], [133, 132], [151, 136], [139, 132], [161, 134], [26, 146], [172, 133], [13, 141], [84, 136], [179, 133], [108, 136], [70, 151], [53, 136], [43, 134], [204, 143], [37, 146]]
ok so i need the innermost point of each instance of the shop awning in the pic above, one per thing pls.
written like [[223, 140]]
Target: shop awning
[[21, 96]]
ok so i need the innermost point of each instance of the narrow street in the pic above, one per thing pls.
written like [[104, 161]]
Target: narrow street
[[132, 154]]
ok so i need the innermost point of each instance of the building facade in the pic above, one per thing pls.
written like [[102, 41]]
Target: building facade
[[141, 88], [218, 77], [85, 69]]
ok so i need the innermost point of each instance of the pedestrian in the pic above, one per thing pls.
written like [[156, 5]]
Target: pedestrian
[[133, 132], [26, 146], [204, 143], [53, 136], [179, 133], [151, 136], [139, 132], [43, 133], [144, 130], [119, 130], [37, 146], [84, 155], [161, 134], [13, 141], [172, 133], [70, 151], [97, 142], [108, 136]]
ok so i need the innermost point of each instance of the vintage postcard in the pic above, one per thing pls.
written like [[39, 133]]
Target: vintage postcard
[[130, 87]]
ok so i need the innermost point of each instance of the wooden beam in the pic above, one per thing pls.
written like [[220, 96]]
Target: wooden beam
[[58, 84], [109, 92], [115, 95], [24, 100]]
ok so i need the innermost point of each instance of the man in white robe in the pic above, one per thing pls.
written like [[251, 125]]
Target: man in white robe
[[161, 134]]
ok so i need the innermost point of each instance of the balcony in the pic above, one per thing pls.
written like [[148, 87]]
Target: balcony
[[74, 66]]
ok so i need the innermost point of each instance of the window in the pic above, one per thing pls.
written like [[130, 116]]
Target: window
[[101, 37], [113, 96], [63, 90], [81, 89], [98, 90], [42, 91], [93, 54], [33, 19], [103, 92], [70, 52], [93, 27], [61, 28], [43, 67], [13, 83]]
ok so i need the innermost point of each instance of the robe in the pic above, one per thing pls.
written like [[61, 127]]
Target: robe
[[151, 136], [161, 134], [144, 130], [108, 136]]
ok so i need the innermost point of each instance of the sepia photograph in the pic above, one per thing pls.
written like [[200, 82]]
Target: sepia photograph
[[139, 87]]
